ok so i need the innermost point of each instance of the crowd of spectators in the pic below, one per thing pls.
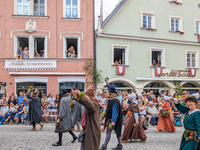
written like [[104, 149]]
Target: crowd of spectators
[[16, 108]]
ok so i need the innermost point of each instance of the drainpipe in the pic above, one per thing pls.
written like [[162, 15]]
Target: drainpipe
[[94, 36]]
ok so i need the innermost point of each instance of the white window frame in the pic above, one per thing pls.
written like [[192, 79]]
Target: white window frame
[[31, 8], [153, 23], [64, 9], [196, 58], [162, 50], [65, 46], [126, 47], [195, 26], [31, 44], [180, 22]]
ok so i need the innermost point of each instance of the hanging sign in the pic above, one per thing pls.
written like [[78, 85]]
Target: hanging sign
[[192, 72], [158, 71], [120, 70]]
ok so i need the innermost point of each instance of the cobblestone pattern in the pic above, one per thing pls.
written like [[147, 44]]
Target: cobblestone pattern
[[17, 137]]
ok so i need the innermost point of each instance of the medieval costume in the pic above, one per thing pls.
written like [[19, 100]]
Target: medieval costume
[[113, 115], [132, 130], [34, 112], [90, 121], [165, 119], [64, 122], [76, 110], [191, 136]]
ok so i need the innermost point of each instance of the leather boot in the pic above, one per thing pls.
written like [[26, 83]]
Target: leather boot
[[102, 148], [57, 144], [41, 125], [74, 139], [119, 147], [33, 129]]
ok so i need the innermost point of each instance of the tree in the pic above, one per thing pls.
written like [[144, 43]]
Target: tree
[[92, 72], [178, 87]]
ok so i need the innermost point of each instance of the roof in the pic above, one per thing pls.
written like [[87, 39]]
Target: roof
[[113, 13]]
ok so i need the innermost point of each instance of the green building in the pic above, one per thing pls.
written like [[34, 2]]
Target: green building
[[139, 32]]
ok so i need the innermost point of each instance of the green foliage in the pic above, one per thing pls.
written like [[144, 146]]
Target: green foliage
[[178, 87], [94, 74]]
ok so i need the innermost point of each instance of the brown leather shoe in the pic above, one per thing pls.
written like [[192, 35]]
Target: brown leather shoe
[[124, 141], [33, 129], [142, 140], [159, 130], [41, 125]]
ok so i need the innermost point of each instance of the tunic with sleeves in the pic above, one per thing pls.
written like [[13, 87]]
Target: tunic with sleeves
[[131, 131], [191, 122]]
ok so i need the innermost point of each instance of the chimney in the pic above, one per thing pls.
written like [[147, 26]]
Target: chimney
[[101, 12]]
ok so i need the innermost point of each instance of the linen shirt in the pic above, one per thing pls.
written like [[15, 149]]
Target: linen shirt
[[4, 109], [153, 110]]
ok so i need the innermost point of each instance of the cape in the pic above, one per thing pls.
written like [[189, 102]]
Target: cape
[[77, 112], [34, 112], [118, 124]]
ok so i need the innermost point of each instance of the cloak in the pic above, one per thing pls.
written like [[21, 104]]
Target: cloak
[[34, 112], [77, 112]]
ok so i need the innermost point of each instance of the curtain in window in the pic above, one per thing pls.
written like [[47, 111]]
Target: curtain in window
[[25, 7], [39, 7], [19, 7], [22, 7], [68, 8], [74, 9]]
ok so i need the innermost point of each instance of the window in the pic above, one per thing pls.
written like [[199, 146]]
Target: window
[[32, 46], [31, 7], [72, 47], [22, 7], [157, 57], [147, 20], [71, 8], [197, 27], [175, 24], [39, 47], [192, 59], [120, 55], [39, 7], [72, 85]]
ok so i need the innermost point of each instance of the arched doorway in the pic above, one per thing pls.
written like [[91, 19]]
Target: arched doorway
[[156, 87], [121, 86], [191, 87]]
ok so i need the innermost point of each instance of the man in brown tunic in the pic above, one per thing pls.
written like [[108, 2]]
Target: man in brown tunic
[[133, 128]]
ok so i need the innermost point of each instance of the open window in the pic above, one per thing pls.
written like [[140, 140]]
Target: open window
[[119, 56], [71, 48], [23, 44], [157, 57], [39, 47]]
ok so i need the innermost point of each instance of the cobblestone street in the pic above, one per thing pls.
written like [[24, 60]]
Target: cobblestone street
[[17, 137]]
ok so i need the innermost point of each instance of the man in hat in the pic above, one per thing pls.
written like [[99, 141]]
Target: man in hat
[[153, 111], [114, 118], [34, 112]]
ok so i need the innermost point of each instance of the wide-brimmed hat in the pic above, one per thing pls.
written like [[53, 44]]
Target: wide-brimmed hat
[[150, 103], [111, 89]]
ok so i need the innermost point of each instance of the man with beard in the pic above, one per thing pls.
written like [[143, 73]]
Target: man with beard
[[34, 113], [114, 118]]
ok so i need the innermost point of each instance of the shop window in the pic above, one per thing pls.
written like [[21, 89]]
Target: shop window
[[71, 8], [39, 47], [71, 85], [22, 7], [157, 57], [71, 48], [39, 7], [24, 86]]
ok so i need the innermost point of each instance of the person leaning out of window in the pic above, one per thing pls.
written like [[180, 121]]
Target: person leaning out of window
[[70, 52], [20, 53]]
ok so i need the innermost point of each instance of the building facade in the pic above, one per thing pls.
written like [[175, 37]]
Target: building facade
[[157, 43], [48, 29]]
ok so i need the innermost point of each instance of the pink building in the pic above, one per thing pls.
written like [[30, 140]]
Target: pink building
[[48, 28]]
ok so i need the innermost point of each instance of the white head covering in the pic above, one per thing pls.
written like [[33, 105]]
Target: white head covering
[[134, 97], [166, 98]]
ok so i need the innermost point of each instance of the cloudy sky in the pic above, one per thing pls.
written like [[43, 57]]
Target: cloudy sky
[[108, 5]]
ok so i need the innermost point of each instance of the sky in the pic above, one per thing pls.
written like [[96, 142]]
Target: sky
[[108, 6]]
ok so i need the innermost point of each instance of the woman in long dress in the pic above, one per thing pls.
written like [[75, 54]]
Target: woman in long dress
[[165, 120], [133, 128], [191, 136]]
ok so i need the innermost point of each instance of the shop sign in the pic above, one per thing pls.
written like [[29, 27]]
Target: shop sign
[[177, 73], [158, 71], [120, 70], [29, 64]]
